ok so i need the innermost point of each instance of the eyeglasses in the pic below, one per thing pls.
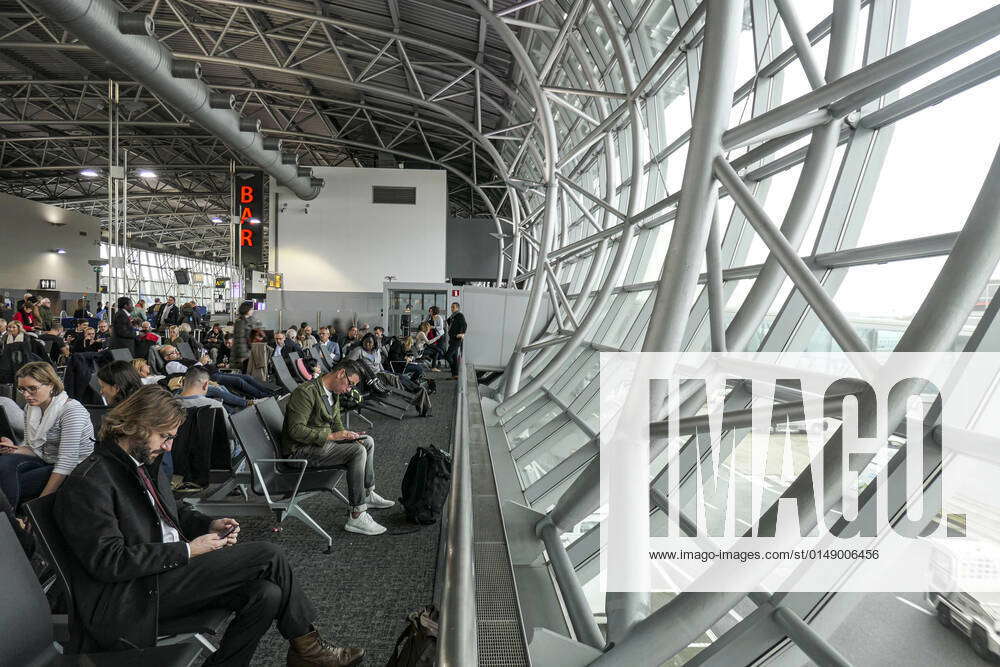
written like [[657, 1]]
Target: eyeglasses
[[30, 390]]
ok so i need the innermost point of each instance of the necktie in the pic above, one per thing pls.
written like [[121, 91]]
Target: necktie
[[157, 503]]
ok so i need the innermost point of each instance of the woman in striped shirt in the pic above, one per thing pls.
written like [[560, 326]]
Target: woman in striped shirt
[[57, 436]]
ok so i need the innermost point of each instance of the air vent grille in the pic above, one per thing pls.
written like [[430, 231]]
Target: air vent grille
[[386, 194]]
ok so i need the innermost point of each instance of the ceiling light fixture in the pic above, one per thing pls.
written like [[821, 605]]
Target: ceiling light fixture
[[217, 220], [89, 173], [146, 173], [59, 251], [254, 221]]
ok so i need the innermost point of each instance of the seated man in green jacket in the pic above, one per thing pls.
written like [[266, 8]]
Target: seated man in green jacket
[[314, 431]]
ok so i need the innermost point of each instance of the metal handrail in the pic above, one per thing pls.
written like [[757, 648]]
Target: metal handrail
[[458, 644]]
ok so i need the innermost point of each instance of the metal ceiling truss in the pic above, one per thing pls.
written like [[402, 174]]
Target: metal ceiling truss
[[297, 68]]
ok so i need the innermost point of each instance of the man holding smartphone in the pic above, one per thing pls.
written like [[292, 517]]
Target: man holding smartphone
[[313, 430], [141, 559]]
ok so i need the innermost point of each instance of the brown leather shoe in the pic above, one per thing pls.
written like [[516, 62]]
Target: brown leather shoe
[[311, 650]]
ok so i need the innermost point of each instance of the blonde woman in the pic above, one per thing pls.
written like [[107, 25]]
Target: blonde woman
[[58, 435], [173, 336], [306, 338]]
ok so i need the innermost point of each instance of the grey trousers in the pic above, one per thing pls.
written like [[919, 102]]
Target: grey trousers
[[359, 457]]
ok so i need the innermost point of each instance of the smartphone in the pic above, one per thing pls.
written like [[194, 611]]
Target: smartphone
[[232, 529]]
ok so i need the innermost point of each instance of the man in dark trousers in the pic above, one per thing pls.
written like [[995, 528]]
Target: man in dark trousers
[[140, 559], [122, 331], [456, 334]]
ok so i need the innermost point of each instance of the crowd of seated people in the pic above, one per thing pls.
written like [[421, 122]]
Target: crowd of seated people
[[223, 383], [116, 507]]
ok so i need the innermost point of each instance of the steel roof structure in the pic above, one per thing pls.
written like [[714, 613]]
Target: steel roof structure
[[364, 83]]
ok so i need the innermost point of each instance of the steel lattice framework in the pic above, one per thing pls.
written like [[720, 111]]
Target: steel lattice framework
[[371, 84], [663, 174]]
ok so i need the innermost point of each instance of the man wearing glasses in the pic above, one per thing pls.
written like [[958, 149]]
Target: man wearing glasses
[[313, 430]]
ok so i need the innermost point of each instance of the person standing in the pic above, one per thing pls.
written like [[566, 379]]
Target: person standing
[[122, 331], [139, 312], [170, 313], [241, 336], [153, 312], [456, 335]]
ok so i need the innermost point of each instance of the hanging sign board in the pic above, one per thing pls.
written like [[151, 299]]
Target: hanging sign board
[[248, 187]]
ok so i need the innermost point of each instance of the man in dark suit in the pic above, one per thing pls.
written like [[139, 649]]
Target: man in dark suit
[[122, 331], [139, 558], [284, 346], [457, 327], [170, 313]]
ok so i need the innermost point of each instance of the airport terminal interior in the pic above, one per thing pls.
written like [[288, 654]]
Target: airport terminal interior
[[342, 332]]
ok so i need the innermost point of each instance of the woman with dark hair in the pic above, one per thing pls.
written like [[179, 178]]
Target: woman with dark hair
[[435, 350], [28, 315], [118, 380], [241, 336]]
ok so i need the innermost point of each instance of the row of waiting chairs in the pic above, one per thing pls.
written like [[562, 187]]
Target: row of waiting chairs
[[281, 484], [29, 632], [393, 405]]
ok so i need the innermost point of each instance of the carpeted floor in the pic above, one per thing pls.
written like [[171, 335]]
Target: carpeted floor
[[367, 586]]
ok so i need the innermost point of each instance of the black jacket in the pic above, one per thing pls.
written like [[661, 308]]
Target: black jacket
[[114, 534], [289, 347], [169, 315], [122, 331], [456, 325]]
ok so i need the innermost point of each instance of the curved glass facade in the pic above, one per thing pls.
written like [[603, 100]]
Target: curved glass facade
[[863, 147]]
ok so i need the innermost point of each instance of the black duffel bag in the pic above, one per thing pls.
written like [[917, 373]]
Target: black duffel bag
[[425, 485]]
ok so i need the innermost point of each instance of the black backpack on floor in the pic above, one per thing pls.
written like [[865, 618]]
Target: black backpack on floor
[[417, 644], [425, 485]]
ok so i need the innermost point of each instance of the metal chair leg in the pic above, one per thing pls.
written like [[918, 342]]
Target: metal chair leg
[[304, 517]]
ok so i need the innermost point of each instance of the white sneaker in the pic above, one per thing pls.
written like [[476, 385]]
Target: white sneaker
[[364, 524], [377, 502]]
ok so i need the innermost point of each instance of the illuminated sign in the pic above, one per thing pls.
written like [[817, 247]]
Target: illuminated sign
[[275, 280], [248, 188]]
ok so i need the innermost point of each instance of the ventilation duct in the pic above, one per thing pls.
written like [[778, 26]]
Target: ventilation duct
[[109, 32]]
